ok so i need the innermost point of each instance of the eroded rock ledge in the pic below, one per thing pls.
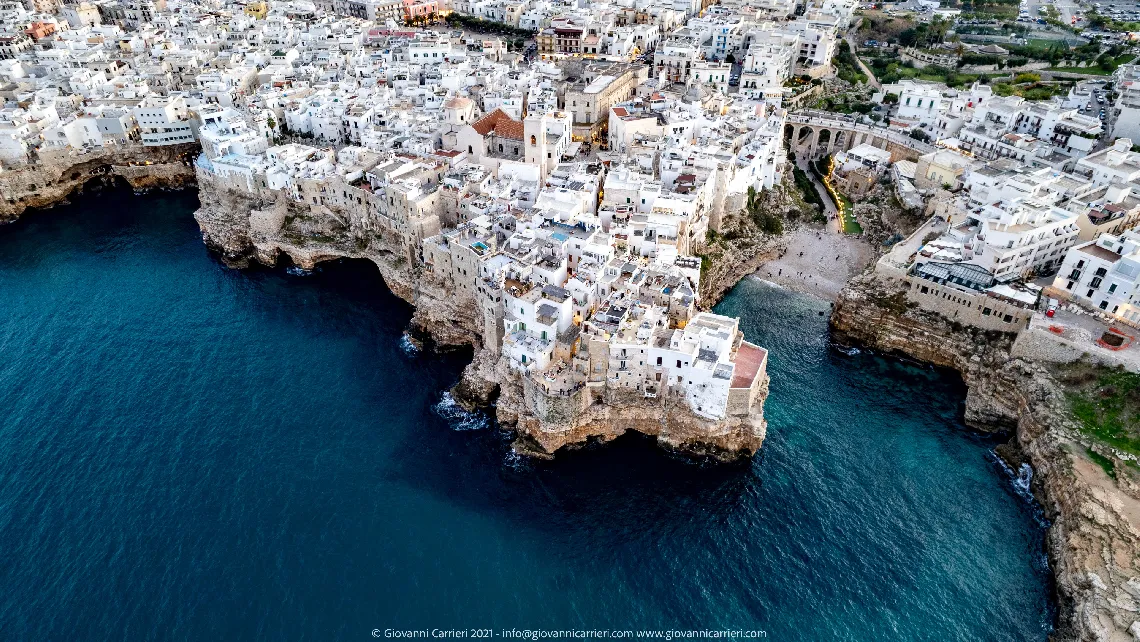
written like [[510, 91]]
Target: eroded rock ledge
[[54, 176], [243, 226], [1094, 536]]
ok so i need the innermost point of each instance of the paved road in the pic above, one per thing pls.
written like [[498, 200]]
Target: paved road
[[1066, 8], [833, 224], [874, 82]]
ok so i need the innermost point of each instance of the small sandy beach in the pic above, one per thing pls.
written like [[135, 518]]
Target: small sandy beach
[[828, 260]]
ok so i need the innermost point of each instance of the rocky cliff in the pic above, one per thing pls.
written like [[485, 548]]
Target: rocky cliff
[[1094, 536], [265, 227], [228, 220], [54, 176]]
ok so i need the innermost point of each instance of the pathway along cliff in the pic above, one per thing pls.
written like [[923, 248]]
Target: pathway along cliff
[[1094, 536]]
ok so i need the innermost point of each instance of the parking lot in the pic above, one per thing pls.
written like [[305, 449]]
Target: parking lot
[[1117, 10]]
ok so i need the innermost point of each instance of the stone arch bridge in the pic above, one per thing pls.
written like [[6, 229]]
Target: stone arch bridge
[[812, 134]]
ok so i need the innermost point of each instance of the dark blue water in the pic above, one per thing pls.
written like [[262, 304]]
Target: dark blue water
[[189, 452]]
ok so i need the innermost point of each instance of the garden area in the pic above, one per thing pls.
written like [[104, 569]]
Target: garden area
[[1030, 87], [479, 25], [1106, 404], [889, 69], [847, 66]]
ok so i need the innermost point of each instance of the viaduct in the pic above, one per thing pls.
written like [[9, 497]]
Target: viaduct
[[811, 133]]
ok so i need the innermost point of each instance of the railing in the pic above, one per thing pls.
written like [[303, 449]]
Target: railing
[[839, 121]]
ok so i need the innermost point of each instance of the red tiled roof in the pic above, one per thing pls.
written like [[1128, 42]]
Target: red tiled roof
[[620, 112], [749, 359], [502, 124], [487, 123], [509, 129]]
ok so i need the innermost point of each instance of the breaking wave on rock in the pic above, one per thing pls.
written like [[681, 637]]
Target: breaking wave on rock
[[408, 346], [459, 418]]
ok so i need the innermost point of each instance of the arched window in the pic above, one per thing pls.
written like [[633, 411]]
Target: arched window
[[533, 139], [470, 149], [500, 147]]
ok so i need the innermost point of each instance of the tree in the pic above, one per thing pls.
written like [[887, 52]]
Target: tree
[[730, 59], [768, 222], [918, 134]]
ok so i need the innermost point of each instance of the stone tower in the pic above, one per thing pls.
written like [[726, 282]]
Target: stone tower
[[534, 141]]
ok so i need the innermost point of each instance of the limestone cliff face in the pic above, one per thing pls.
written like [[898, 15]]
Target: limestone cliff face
[[1094, 536], [54, 176], [742, 247], [873, 312], [264, 226], [243, 226], [546, 424]]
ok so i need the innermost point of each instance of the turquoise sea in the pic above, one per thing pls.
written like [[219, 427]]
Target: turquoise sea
[[190, 452]]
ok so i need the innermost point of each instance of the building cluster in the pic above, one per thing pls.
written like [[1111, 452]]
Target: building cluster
[[562, 191], [1047, 133], [1009, 228], [82, 74]]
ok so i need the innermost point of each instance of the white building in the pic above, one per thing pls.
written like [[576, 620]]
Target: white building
[[1105, 274], [164, 120]]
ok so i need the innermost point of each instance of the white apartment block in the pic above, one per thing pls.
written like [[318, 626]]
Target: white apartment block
[[164, 120], [1105, 274]]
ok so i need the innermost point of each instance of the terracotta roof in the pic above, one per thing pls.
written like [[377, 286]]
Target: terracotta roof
[[620, 112], [1099, 252], [502, 124], [749, 360], [509, 129], [487, 123]]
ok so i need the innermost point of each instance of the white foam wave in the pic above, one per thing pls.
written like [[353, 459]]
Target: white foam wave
[[772, 284], [408, 346], [297, 271], [459, 418]]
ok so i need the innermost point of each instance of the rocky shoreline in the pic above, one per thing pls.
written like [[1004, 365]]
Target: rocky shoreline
[[544, 423], [53, 177], [1094, 535]]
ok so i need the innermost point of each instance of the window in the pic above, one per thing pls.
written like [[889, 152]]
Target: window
[[533, 139], [658, 360], [678, 365]]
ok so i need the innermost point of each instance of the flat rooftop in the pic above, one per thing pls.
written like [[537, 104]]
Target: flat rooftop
[[749, 359]]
